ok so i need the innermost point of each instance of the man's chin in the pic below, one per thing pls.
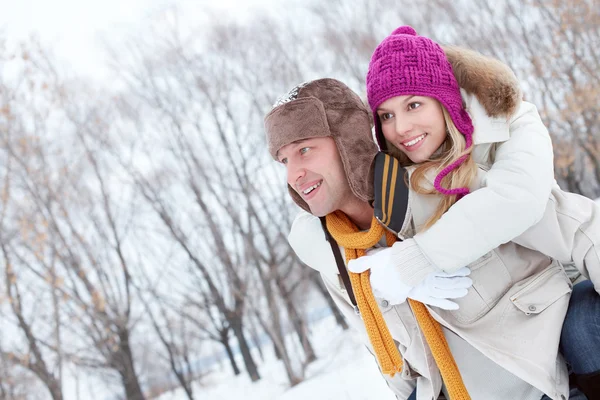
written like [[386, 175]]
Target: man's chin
[[319, 211]]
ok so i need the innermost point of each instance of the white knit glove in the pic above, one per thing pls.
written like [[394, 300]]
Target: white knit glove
[[387, 280], [440, 286], [406, 258]]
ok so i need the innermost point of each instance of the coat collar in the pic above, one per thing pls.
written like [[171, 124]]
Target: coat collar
[[487, 129]]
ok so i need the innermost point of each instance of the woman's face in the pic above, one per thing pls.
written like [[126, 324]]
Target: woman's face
[[413, 124]]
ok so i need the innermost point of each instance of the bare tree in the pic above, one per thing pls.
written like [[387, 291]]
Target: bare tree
[[76, 236], [16, 383], [21, 294], [176, 341], [218, 189]]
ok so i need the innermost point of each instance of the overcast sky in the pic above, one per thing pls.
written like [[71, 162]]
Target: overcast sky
[[76, 29]]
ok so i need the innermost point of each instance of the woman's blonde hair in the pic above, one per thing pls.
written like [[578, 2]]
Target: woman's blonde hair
[[453, 148]]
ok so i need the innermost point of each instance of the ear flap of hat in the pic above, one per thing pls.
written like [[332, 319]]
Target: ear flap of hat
[[298, 200], [351, 130]]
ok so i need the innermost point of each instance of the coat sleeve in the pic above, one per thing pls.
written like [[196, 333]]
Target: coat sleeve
[[568, 232], [308, 241], [399, 385], [512, 199]]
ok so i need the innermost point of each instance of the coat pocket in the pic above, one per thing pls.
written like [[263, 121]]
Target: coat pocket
[[542, 290], [491, 281]]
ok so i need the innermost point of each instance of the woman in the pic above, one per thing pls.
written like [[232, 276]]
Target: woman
[[476, 183]]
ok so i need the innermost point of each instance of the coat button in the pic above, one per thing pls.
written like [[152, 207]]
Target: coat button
[[532, 308], [385, 303]]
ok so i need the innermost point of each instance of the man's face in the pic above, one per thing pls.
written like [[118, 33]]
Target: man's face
[[315, 171]]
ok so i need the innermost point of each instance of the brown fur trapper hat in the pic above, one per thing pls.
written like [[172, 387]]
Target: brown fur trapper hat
[[323, 108]]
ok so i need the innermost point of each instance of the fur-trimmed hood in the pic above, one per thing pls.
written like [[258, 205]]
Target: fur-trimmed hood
[[491, 81]]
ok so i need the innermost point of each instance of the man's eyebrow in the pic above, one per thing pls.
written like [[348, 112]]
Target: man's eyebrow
[[297, 142]]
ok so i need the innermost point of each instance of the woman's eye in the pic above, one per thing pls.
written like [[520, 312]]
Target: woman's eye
[[414, 105], [283, 161], [304, 150], [385, 116]]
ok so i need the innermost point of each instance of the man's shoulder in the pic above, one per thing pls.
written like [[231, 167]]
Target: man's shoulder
[[306, 223], [308, 241]]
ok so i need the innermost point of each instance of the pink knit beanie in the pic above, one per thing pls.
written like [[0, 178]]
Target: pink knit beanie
[[405, 63]]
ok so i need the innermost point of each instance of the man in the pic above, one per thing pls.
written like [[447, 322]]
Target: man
[[321, 132]]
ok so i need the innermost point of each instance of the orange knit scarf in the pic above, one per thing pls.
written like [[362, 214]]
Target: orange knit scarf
[[355, 244]]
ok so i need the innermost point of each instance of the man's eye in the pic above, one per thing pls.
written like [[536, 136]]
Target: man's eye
[[304, 150], [414, 105], [385, 116], [283, 161]]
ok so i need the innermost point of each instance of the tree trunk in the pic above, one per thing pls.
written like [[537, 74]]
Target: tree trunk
[[289, 369], [274, 328], [188, 388], [572, 183], [302, 332], [276, 351], [132, 387], [256, 340], [339, 317], [284, 357], [57, 334], [298, 323], [3, 394], [181, 377], [236, 325], [125, 366], [55, 390], [225, 342]]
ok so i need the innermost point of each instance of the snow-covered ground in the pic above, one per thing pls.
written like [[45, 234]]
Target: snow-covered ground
[[344, 371]]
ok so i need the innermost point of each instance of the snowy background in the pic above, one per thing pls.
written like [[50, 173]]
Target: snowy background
[[345, 370], [143, 225]]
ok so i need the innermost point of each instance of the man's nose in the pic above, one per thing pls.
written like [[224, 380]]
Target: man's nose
[[295, 172]]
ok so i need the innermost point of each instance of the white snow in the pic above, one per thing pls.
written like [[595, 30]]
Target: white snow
[[344, 371]]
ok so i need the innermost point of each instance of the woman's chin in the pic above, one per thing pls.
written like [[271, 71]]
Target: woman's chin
[[417, 158]]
